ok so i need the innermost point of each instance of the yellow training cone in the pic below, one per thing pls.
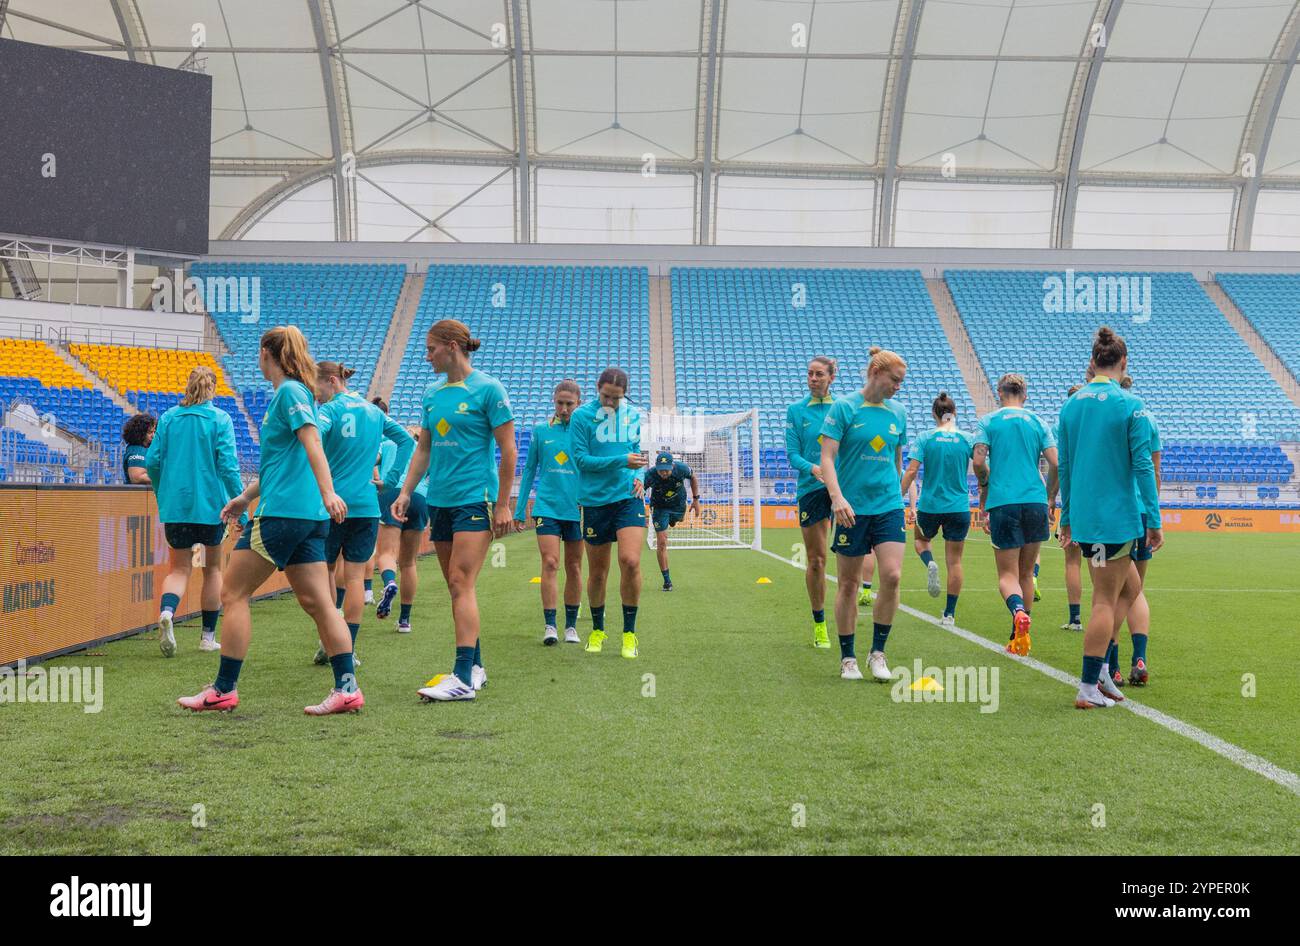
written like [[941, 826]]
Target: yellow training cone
[[763, 581], [929, 684], [535, 580]]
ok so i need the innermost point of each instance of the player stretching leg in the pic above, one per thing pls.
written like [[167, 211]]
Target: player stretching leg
[[194, 471], [469, 499], [664, 487], [945, 453], [1010, 441], [861, 462], [352, 429], [556, 515], [399, 542], [606, 438], [297, 503], [1105, 450]]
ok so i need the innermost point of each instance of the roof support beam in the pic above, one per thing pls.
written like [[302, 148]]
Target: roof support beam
[[523, 183], [345, 225], [133, 33], [902, 74], [710, 85]]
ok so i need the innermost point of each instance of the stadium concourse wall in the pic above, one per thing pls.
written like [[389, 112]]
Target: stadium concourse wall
[[76, 322], [81, 565], [1200, 519]]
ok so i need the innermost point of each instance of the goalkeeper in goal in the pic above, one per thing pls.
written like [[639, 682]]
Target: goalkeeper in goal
[[665, 489]]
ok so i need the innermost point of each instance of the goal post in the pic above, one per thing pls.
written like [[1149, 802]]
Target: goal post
[[723, 451]]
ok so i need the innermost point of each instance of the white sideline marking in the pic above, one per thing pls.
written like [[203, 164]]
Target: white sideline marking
[[1247, 760]]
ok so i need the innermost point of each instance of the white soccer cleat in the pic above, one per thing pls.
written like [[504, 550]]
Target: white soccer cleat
[[166, 637], [551, 636], [932, 579], [210, 644], [370, 596], [879, 669], [1072, 626], [849, 669], [571, 636], [948, 621], [478, 677], [1089, 697], [446, 688], [403, 627], [1108, 689]]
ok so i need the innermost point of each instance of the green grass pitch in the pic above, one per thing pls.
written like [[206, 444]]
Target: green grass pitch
[[750, 743]]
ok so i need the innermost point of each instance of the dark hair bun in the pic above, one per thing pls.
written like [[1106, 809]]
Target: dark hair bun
[[473, 344]]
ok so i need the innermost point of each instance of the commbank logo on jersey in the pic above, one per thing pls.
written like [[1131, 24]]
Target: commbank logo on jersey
[[561, 458], [877, 443], [442, 427]]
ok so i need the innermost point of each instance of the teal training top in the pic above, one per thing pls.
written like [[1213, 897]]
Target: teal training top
[[392, 474], [1016, 438], [867, 463], [1105, 448], [667, 492], [803, 440], [945, 456], [550, 464], [193, 464], [285, 480], [352, 430], [460, 417], [133, 455], [601, 441], [1156, 447]]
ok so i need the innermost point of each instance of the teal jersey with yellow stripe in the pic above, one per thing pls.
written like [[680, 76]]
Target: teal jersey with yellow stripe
[[285, 480], [944, 455], [352, 429], [192, 464], [1105, 449], [803, 440], [867, 462], [460, 417], [550, 465], [601, 441], [1016, 438]]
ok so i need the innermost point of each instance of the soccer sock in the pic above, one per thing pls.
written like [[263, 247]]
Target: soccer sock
[[951, 607], [571, 615], [819, 617], [170, 602], [927, 557], [629, 619], [879, 634], [1074, 613], [846, 646], [1035, 569], [352, 629], [370, 584], [478, 652], [338, 596], [1015, 603], [666, 578], [1091, 670], [228, 674], [464, 664], [210, 623], [1112, 655], [343, 667], [598, 618], [389, 576], [549, 615], [1139, 648], [405, 616]]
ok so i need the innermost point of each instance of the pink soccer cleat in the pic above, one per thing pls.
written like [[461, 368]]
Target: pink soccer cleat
[[337, 702], [209, 699]]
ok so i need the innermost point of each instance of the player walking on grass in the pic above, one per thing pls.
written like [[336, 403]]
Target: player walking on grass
[[1108, 484], [1007, 448], [606, 438], [194, 470], [945, 453], [398, 546], [137, 435], [1073, 560], [665, 489], [556, 515], [352, 430], [463, 418], [297, 502], [861, 463]]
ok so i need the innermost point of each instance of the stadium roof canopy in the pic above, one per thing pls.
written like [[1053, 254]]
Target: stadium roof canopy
[[1012, 123]]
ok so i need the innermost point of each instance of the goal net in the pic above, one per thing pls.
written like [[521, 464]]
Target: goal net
[[721, 450]]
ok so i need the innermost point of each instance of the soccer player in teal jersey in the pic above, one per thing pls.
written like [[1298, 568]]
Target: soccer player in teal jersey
[[296, 503], [1105, 450], [352, 429], [665, 490], [1007, 448], [137, 434], [861, 464], [606, 438], [1073, 560], [945, 454], [399, 543], [463, 419], [194, 471], [555, 512]]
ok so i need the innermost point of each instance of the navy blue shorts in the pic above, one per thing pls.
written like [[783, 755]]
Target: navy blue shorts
[[446, 521], [285, 542], [1018, 524], [1141, 550], [417, 513], [1107, 551], [869, 531], [814, 507], [569, 530], [186, 535], [354, 537], [665, 519], [600, 524], [956, 525]]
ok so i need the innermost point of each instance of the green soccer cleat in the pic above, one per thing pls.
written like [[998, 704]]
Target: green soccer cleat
[[866, 597], [1037, 595], [820, 640], [595, 642], [629, 645]]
